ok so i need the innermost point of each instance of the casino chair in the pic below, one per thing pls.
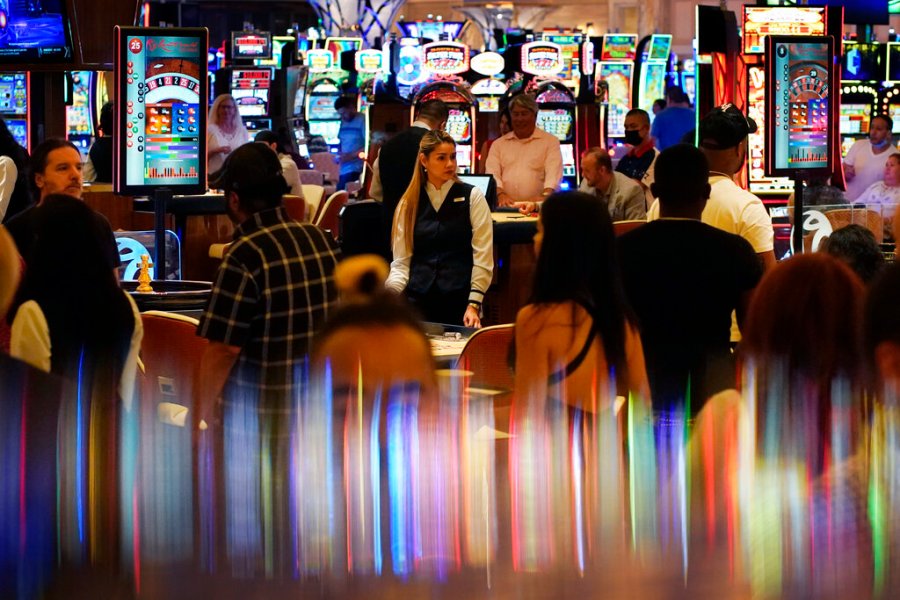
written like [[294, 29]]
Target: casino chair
[[168, 429], [485, 356], [868, 218], [313, 195], [310, 177], [326, 163], [359, 228], [620, 227], [327, 217], [295, 206]]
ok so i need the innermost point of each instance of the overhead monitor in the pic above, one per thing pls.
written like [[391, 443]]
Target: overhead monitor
[[162, 89], [864, 62], [40, 33], [799, 83], [251, 45], [660, 47]]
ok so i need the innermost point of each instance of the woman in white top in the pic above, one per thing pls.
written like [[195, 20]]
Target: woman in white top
[[442, 239], [884, 196], [72, 319], [225, 131]]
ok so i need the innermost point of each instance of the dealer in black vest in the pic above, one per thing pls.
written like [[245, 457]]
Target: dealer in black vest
[[442, 239]]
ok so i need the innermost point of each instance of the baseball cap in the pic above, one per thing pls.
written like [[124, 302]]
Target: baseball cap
[[267, 136], [252, 166], [725, 127]]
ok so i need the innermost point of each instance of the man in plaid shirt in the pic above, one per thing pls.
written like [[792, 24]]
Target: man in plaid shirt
[[273, 290]]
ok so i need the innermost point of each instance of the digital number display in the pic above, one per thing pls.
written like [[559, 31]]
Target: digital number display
[[162, 118]]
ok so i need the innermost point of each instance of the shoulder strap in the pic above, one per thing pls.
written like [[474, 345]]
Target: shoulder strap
[[558, 376]]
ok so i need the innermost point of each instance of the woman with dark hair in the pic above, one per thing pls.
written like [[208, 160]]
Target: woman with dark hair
[[577, 330], [73, 319], [14, 174], [857, 247], [442, 239]]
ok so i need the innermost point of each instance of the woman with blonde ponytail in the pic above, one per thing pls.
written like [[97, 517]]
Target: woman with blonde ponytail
[[442, 239]]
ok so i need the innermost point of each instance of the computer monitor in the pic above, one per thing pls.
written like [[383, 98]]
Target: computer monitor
[[486, 184]]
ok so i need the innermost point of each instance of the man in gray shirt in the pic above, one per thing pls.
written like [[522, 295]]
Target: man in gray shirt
[[623, 197]]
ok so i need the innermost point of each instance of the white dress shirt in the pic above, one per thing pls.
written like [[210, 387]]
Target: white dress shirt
[[482, 242]]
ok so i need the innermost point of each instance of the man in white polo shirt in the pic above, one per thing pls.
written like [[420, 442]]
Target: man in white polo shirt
[[526, 162]]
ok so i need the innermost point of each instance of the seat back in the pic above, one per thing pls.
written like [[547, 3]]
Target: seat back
[[295, 206], [118, 210], [328, 215], [359, 228], [485, 355], [326, 163], [311, 177], [313, 195], [620, 227]]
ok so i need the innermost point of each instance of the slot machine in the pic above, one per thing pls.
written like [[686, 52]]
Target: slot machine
[[15, 107], [889, 96], [687, 78], [558, 117], [83, 114], [615, 71], [443, 62], [759, 22], [569, 43], [652, 68], [251, 89], [862, 70]]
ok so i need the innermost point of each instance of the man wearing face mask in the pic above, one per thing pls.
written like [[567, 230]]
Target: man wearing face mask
[[723, 140], [638, 163], [864, 163]]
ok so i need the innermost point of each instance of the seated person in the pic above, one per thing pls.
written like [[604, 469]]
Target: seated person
[[98, 167], [622, 196], [288, 167], [883, 196]]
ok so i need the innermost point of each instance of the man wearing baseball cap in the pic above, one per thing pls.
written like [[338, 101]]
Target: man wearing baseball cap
[[274, 287], [723, 140]]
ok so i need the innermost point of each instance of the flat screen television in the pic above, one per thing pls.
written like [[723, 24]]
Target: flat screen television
[[162, 88], [36, 36]]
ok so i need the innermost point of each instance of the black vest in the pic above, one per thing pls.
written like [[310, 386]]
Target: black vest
[[442, 243]]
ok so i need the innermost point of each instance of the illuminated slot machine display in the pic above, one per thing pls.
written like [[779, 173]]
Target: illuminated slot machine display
[[409, 70], [760, 22], [570, 45], [443, 62], [889, 98], [653, 54], [687, 78], [370, 69], [616, 70], [251, 89], [161, 76], [14, 106], [434, 30], [321, 92], [862, 70], [81, 115], [557, 116]]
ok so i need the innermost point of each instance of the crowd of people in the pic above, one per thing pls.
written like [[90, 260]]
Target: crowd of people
[[686, 315]]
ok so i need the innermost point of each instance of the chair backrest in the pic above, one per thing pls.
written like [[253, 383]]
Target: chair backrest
[[485, 355], [620, 227], [868, 218], [295, 206], [171, 351], [326, 163], [328, 215], [360, 229], [313, 195], [310, 177]]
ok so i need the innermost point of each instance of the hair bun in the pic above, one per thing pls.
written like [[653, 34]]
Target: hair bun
[[360, 278]]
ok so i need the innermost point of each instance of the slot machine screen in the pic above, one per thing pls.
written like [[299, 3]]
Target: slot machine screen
[[762, 21], [568, 154], [250, 89], [459, 125], [893, 62], [329, 130], [618, 77], [161, 77], [846, 143], [321, 108], [19, 130], [893, 111], [251, 45], [557, 122], [619, 46], [488, 103], [463, 157], [855, 118], [862, 62], [13, 93], [798, 95], [652, 85]]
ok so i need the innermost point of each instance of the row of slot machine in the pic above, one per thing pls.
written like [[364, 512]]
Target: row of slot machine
[[87, 92], [870, 85]]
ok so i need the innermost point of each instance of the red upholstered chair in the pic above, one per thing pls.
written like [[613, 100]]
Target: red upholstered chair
[[327, 218], [485, 355], [295, 207]]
